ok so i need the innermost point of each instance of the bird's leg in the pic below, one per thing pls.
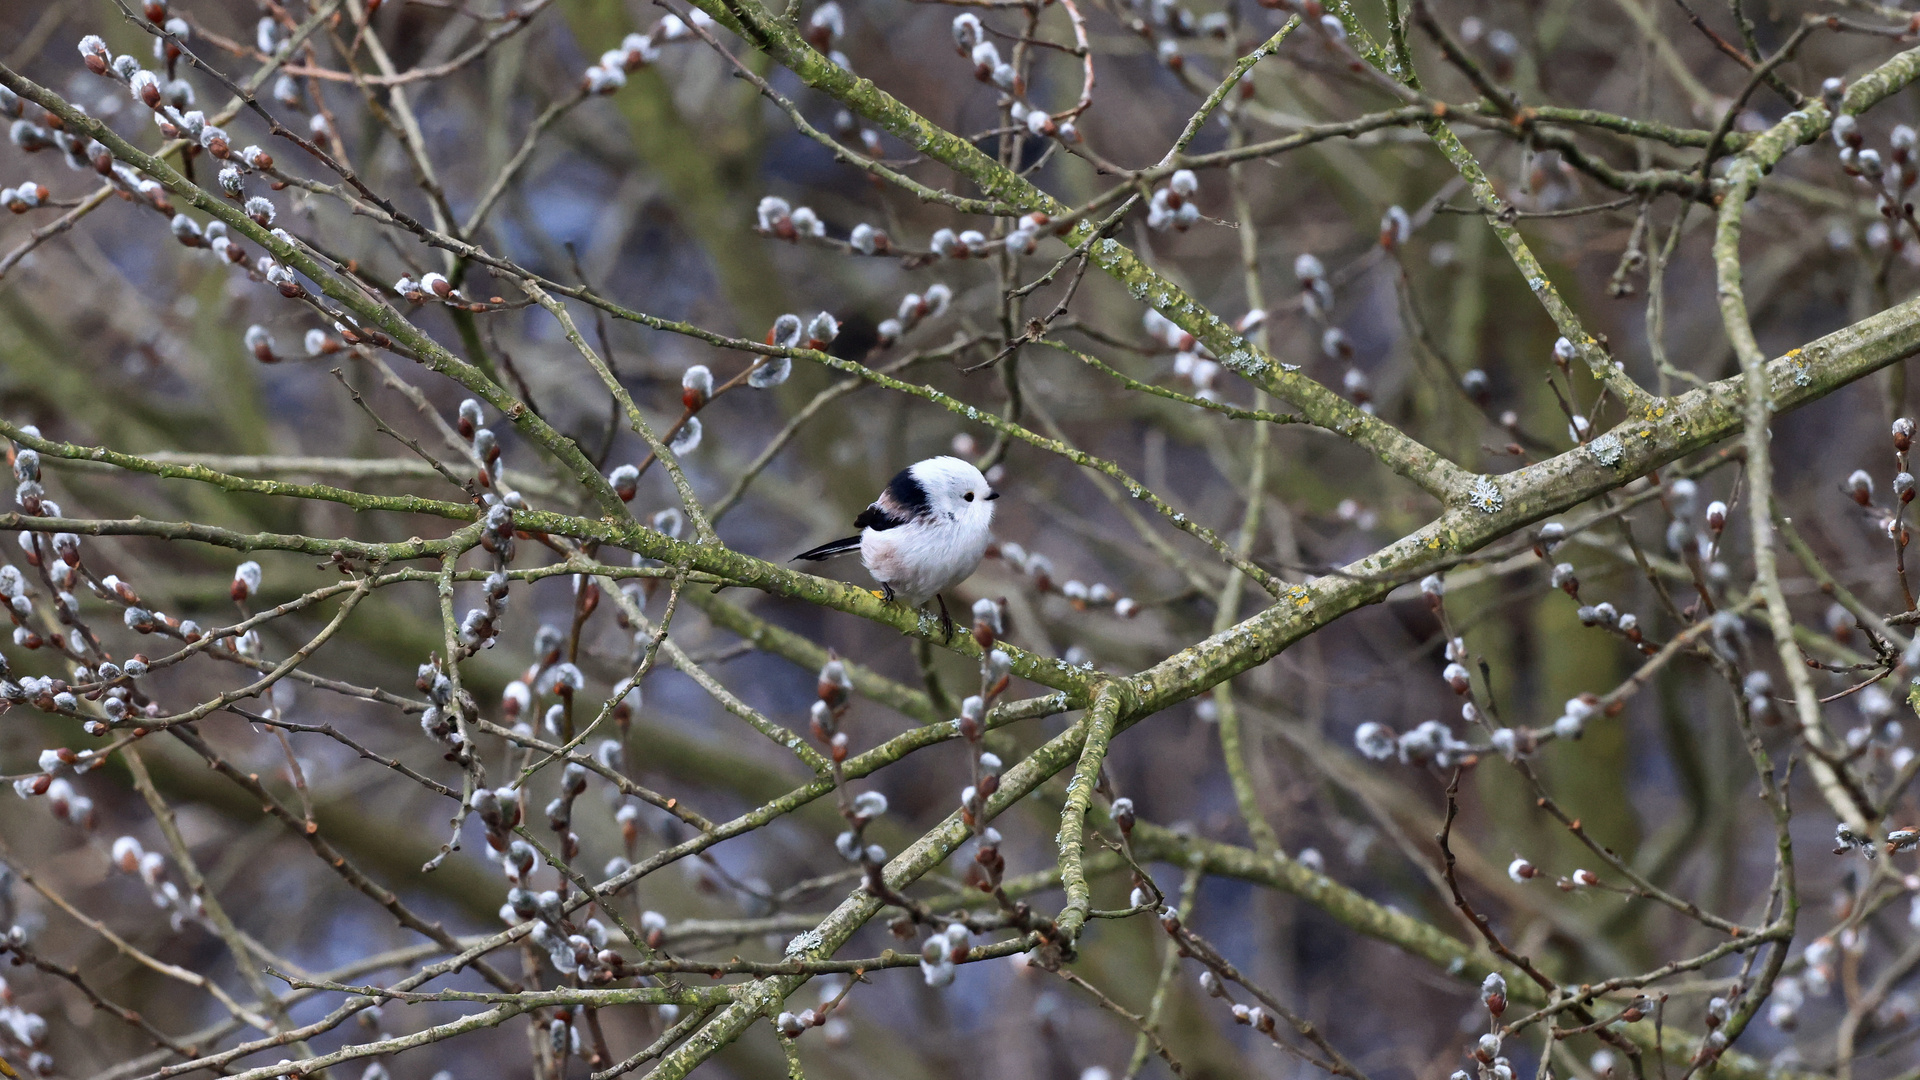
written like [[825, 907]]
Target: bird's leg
[[946, 620], [888, 591]]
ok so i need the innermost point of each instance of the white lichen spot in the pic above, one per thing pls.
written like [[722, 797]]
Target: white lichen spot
[[1606, 450], [802, 944], [1485, 495], [1536, 283], [1802, 374]]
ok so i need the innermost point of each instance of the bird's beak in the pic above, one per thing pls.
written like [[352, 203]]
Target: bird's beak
[[992, 495]]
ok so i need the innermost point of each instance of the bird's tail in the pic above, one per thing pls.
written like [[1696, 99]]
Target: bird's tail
[[829, 550]]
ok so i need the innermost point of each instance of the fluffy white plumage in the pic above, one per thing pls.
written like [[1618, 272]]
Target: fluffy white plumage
[[926, 533]]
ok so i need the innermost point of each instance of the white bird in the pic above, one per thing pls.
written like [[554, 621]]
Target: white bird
[[926, 533]]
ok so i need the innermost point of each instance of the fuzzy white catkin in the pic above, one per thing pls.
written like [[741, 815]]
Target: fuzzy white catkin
[[688, 440], [773, 371]]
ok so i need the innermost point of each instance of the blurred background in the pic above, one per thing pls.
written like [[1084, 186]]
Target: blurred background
[[114, 334]]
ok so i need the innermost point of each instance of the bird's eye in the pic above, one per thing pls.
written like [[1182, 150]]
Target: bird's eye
[[968, 496]]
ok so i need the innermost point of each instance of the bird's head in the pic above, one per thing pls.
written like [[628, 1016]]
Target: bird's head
[[955, 490]]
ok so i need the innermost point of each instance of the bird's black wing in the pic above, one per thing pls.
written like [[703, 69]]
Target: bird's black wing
[[903, 500]]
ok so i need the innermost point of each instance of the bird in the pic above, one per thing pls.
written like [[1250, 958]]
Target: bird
[[926, 533]]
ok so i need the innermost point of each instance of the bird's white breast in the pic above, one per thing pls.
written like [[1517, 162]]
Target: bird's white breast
[[922, 558]]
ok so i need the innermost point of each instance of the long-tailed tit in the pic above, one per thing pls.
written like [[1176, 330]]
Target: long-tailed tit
[[925, 533]]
